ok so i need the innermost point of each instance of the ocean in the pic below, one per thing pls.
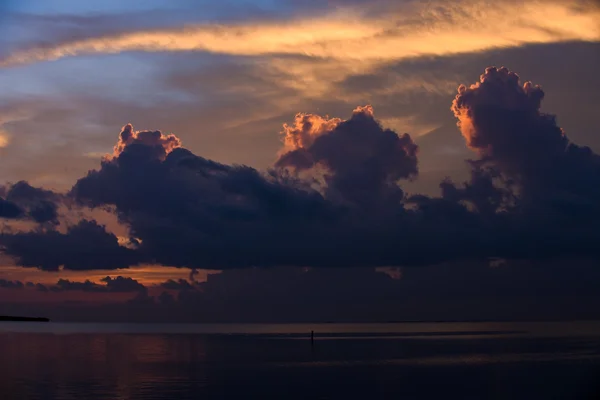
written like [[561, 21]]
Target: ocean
[[520, 360]]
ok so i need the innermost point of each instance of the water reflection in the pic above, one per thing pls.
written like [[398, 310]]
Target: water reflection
[[190, 366]]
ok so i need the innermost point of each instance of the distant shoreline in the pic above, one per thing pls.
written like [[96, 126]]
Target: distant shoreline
[[22, 319]]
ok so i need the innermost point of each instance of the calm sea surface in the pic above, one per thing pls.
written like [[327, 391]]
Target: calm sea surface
[[259, 361]]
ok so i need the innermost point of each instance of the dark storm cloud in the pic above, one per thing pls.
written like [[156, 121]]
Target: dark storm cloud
[[500, 118], [481, 191], [180, 284], [11, 284], [189, 211], [166, 299], [531, 194], [24, 192], [25, 201], [113, 285], [86, 245], [122, 284], [363, 161], [462, 291], [9, 209], [431, 80], [511, 291], [534, 192], [41, 287], [67, 285]]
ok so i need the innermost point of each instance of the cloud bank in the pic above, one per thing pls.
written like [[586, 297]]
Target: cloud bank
[[118, 284], [334, 196]]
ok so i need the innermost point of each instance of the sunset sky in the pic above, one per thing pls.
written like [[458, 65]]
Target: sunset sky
[[227, 80]]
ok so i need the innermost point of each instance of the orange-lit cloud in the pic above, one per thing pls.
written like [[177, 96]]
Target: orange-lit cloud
[[408, 30], [127, 137], [306, 128], [482, 95], [359, 156]]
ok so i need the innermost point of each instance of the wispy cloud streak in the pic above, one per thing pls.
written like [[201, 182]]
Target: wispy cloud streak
[[410, 30]]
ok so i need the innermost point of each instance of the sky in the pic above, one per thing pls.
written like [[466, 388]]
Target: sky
[[316, 152]]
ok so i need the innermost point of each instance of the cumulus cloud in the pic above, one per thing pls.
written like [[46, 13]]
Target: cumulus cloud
[[362, 160], [6, 284], [532, 194], [501, 120], [189, 211], [39, 204], [86, 245], [23, 201], [162, 144], [535, 192]]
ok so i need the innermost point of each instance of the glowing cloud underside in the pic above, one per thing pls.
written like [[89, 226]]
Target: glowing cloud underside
[[414, 29]]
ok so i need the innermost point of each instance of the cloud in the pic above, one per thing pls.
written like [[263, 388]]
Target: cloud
[[122, 284], [41, 287], [180, 284], [461, 291], [11, 284], [193, 274], [397, 31], [163, 144], [501, 120], [118, 284], [166, 299], [534, 193], [9, 209], [40, 205], [362, 160], [241, 104], [23, 201], [554, 290], [85, 245], [67, 285], [187, 211]]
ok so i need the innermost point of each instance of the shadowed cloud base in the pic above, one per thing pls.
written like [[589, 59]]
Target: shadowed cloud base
[[333, 198]]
